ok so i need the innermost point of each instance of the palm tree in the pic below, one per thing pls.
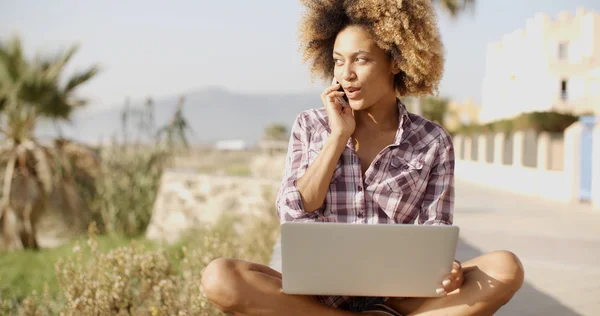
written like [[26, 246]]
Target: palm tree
[[34, 173], [175, 131]]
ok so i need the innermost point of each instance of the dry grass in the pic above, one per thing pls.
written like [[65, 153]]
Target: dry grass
[[215, 161], [145, 280]]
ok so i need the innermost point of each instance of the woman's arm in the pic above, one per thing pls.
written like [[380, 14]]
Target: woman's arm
[[304, 187], [314, 184], [438, 203]]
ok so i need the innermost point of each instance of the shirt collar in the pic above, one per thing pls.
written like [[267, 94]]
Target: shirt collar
[[403, 121]]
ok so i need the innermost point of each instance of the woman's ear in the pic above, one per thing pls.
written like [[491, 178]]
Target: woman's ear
[[395, 68]]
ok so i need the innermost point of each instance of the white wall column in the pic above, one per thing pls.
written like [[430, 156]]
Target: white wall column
[[543, 150], [518, 139], [468, 148], [482, 148], [499, 148], [457, 142], [572, 152]]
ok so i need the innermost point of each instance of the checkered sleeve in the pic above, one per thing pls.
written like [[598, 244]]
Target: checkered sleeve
[[438, 202], [289, 202]]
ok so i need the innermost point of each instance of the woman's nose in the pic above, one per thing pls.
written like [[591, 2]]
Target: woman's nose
[[348, 73]]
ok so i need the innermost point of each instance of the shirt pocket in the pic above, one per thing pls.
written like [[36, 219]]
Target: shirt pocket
[[401, 178], [403, 175]]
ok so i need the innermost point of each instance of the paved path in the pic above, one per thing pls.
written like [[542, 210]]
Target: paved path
[[559, 245]]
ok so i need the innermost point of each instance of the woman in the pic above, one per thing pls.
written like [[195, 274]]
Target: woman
[[368, 161]]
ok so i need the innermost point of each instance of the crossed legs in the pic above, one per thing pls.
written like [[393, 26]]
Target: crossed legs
[[244, 288]]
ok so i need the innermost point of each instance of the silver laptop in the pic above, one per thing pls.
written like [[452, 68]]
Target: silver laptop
[[389, 260]]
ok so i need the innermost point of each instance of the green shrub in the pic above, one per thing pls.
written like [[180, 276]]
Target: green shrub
[[552, 122], [147, 279], [126, 185]]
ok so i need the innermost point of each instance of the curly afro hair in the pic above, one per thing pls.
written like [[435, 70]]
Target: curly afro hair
[[405, 29]]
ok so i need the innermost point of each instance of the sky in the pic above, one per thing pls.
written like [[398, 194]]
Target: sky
[[165, 48]]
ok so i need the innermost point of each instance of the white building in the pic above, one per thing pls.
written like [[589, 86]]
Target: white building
[[231, 145], [551, 64]]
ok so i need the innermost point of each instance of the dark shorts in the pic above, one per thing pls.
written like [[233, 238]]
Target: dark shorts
[[361, 303]]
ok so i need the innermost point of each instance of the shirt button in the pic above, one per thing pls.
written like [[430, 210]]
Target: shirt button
[[377, 164], [360, 188]]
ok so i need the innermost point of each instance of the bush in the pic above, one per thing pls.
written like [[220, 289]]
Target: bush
[[142, 280], [125, 188], [122, 194], [552, 122]]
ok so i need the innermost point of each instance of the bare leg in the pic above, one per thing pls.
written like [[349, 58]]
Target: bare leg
[[491, 280], [246, 288]]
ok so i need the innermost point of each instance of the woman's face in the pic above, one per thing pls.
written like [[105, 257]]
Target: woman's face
[[362, 68]]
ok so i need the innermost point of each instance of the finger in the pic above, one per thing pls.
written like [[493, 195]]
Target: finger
[[451, 287], [344, 103], [334, 103], [448, 285], [330, 89], [441, 291], [449, 282], [455, 272], [336, 94], [456, 265], [334, 83]]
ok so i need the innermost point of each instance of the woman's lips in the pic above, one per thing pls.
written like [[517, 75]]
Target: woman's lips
[[353, 93]]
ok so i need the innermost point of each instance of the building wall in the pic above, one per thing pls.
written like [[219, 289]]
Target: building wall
[[524, 70], [539, 165]]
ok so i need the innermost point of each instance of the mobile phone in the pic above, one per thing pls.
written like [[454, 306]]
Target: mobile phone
[[341, 89]]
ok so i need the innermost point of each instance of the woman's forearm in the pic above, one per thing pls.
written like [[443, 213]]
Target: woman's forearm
[[314, 184]]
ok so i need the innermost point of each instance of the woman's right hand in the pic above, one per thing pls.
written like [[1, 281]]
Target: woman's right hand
[[341, 116]]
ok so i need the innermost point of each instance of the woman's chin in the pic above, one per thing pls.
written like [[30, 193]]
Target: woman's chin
[[357, 105]]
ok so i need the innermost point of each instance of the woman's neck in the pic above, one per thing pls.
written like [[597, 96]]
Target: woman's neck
[[381, 116]]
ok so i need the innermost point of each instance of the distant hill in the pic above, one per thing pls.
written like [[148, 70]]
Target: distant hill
[[213, 114]]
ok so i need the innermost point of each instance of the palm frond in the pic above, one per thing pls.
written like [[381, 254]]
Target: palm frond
[[56, 107], [456, 7], [57, 65], [80, 78], [11, 58], [36, 91]]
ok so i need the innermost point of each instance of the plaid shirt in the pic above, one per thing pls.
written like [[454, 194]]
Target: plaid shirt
[[411, 179]]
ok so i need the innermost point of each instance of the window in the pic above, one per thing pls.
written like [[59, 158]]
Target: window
[[563, 89], [563, 50]]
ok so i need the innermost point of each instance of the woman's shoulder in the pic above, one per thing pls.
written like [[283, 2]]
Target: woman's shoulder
[[428, 130], [314, 119]]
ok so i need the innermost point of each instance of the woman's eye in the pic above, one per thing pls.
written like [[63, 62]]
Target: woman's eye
[[337, 61], [361, 60]]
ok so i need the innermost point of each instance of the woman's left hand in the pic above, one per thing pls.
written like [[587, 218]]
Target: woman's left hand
[[453, 281]]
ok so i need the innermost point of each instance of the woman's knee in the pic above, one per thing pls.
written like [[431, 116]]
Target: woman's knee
[[221, 281], [506, 268]]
